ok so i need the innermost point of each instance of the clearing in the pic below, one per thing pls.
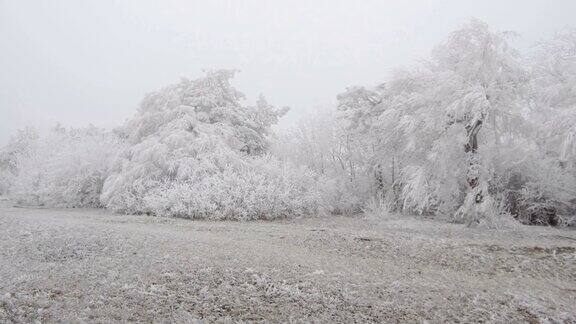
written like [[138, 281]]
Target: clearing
[[77, 265]]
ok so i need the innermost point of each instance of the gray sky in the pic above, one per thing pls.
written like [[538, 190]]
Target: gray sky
[[81, 62]]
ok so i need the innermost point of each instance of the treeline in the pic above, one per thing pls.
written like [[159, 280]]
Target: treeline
[[478, 134]]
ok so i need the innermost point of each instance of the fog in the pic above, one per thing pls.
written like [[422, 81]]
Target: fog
[[80, 62], [426, 171]]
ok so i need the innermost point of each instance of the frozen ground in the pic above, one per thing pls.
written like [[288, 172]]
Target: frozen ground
[[90, 265]]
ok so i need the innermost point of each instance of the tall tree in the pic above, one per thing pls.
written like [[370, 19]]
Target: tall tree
[[481, 81], [443, 123], [554, 93]]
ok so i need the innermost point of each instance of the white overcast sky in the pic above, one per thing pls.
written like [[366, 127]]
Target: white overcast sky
[[79, 62]]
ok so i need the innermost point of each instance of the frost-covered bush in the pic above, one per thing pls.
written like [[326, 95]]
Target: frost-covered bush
[[260, 188], [196, 151], [65, 168], [539, 190]]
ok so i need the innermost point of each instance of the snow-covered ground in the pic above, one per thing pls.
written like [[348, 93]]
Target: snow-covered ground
[[90, 265]]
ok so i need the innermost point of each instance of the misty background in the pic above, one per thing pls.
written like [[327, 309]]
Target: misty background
[[81, 62]]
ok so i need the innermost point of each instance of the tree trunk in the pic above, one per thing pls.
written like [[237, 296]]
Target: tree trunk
[[471, 148], [475, 204], [565, 149]]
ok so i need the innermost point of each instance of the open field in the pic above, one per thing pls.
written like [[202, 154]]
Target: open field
[[81, 265]]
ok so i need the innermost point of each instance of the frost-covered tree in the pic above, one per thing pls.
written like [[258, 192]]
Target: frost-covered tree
[[65, 168], [475, 134], [443, 124], [18, 147], [481, 82], [554, 93], [196, 151], [548, 196], [320, 142]]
